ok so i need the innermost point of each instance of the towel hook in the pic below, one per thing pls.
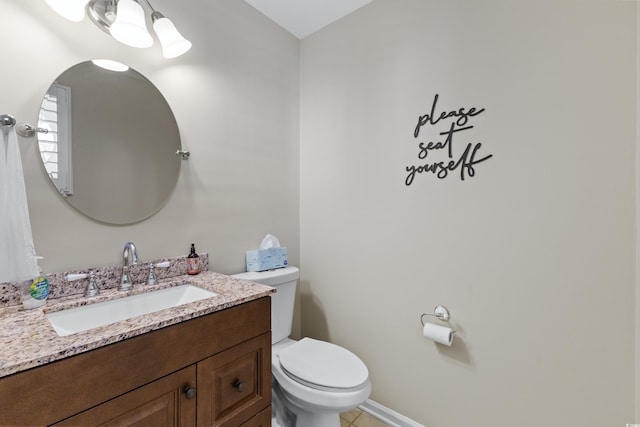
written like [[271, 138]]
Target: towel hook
[[439, 311]]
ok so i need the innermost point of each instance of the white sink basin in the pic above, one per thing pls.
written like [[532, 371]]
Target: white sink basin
[[78, 319]]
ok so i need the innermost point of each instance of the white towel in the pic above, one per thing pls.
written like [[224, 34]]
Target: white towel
[[17, 254]]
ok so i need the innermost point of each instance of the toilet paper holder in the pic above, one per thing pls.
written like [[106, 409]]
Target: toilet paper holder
[[440, 311]]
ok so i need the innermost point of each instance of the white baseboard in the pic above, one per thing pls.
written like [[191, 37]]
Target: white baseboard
[[387, 415]]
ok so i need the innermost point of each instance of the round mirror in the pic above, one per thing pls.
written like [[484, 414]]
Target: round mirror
[[110, 142]]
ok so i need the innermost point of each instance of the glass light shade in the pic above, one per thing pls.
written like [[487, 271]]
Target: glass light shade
[[129, 27], [173, 44], [73, 10]]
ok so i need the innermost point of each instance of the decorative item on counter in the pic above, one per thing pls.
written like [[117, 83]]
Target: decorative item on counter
[[34, 292], [193, 261], [269, 257]]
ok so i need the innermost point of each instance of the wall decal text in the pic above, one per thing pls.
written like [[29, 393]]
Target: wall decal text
[[452, 123]]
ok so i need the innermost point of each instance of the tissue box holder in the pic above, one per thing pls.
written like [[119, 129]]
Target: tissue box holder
[[266, 259]]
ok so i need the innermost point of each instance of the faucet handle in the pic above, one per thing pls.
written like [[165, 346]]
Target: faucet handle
[[151, 280], [92, 289]]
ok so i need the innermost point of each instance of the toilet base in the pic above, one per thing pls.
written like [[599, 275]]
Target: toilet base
[[307, 419], [288, 414]]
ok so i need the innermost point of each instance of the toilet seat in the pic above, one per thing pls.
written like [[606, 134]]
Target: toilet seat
[[323, 366]]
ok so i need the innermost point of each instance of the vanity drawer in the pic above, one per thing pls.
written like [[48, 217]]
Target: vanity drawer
[[163, 402], [235, 384]]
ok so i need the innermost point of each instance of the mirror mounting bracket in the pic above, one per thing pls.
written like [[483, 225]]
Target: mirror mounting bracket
[[27, 131], [185, 154]]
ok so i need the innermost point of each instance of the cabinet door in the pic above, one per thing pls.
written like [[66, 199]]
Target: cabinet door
[[161, 403], [235, 384]]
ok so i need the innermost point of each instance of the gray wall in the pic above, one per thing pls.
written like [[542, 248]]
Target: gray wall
[[529, 254]]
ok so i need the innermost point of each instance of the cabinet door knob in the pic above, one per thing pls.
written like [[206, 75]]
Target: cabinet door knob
[[190, 392], [239, 386]]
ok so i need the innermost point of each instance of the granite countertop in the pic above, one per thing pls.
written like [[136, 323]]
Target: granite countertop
[[27, 339]]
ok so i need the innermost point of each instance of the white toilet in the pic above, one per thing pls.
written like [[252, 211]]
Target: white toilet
[[313, 381]]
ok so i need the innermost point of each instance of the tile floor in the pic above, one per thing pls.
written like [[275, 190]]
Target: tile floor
[[358, 418]]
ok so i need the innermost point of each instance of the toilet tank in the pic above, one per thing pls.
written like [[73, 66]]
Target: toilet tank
[[282, 302]]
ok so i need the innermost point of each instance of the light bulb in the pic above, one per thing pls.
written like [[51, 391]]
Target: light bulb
[[129, 27]]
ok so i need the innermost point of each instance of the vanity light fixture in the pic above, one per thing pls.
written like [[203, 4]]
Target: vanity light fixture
[[125, 21]]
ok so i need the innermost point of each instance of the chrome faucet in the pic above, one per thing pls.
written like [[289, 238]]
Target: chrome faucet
[[129, 258]]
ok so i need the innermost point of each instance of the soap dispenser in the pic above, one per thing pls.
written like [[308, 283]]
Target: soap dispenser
[[193, 261]]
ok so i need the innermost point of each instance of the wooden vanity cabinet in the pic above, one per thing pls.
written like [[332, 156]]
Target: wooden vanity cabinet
[[214, 370]]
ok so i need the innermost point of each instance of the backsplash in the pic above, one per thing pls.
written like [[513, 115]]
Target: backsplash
[[106, 277]]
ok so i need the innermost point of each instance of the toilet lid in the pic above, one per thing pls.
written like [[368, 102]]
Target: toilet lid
[[321, 364]]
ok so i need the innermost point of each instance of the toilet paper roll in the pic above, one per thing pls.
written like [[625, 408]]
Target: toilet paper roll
[[439, 334]]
